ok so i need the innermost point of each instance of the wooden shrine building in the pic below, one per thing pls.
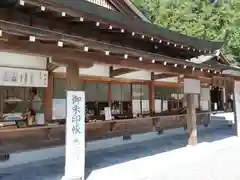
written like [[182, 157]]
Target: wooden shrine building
[[111, 51]]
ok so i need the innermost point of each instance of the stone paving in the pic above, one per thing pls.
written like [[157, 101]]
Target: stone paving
[[210, 168]]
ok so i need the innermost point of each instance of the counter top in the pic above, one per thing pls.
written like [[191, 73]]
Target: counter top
[[93, 122]]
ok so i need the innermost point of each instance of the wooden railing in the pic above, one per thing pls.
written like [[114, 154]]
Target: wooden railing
[[20, 139], [124, 127]]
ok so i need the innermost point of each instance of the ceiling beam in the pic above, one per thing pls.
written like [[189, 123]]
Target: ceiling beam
[[84, 29], [122, 8], [78, 41], [120, 71], [51, 67], [69, 55], [161, 76]]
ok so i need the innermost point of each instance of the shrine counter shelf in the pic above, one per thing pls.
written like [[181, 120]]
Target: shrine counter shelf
[[30, 138], [142, 118], [115, 128], [29, 128]]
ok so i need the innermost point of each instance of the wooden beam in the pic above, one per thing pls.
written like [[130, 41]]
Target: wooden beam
[[84, 29], [191, 120], [161, 76], [151, 97], [120, 71], [72, 77], [51, 67], [97, 45], [76, 55], [48, 96], [124, 8]]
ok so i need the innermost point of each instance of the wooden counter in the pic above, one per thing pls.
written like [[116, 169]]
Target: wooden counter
[[20, 139]]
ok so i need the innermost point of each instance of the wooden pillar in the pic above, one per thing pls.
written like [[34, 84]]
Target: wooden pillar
[[48, 96], [72, 76], [191, 120], [109, 95], [151, 97]]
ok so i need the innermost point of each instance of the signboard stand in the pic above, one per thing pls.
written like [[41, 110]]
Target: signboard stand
[[236, 99], [75, 136]]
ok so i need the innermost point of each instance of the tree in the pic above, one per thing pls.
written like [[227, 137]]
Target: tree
[[218, 21]]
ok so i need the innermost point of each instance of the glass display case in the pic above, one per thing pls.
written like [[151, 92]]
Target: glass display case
[[140, 99]]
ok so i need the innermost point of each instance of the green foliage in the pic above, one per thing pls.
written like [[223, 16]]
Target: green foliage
[[198, 18]]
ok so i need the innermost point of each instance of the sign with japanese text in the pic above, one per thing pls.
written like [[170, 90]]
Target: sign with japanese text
[[23, 77], [75, 136]]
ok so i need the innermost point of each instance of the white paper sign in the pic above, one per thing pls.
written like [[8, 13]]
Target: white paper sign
[[158, 105], [136, 107], [204, 105], [23, 77], [108, 114], [59, 109], [191, 86], [145, 106], [75, 136]]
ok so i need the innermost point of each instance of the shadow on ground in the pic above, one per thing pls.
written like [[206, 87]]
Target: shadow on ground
[[54, 169]]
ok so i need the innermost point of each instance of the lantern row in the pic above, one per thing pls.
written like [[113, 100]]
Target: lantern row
[[107, 53], [110, 27]]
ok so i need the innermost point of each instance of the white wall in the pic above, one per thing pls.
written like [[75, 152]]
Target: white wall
[[138, 75], [170, 79], [96, 70], [22, 61], [103, 71], [61, 69]]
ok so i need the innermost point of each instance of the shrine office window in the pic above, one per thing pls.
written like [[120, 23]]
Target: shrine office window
[[96, 97], [121, 99], [16, 99], [102, 97], [140, 99], [60, 87], [168, 99]]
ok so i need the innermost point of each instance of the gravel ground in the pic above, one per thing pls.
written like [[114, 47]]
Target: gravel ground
[[217, 165]]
